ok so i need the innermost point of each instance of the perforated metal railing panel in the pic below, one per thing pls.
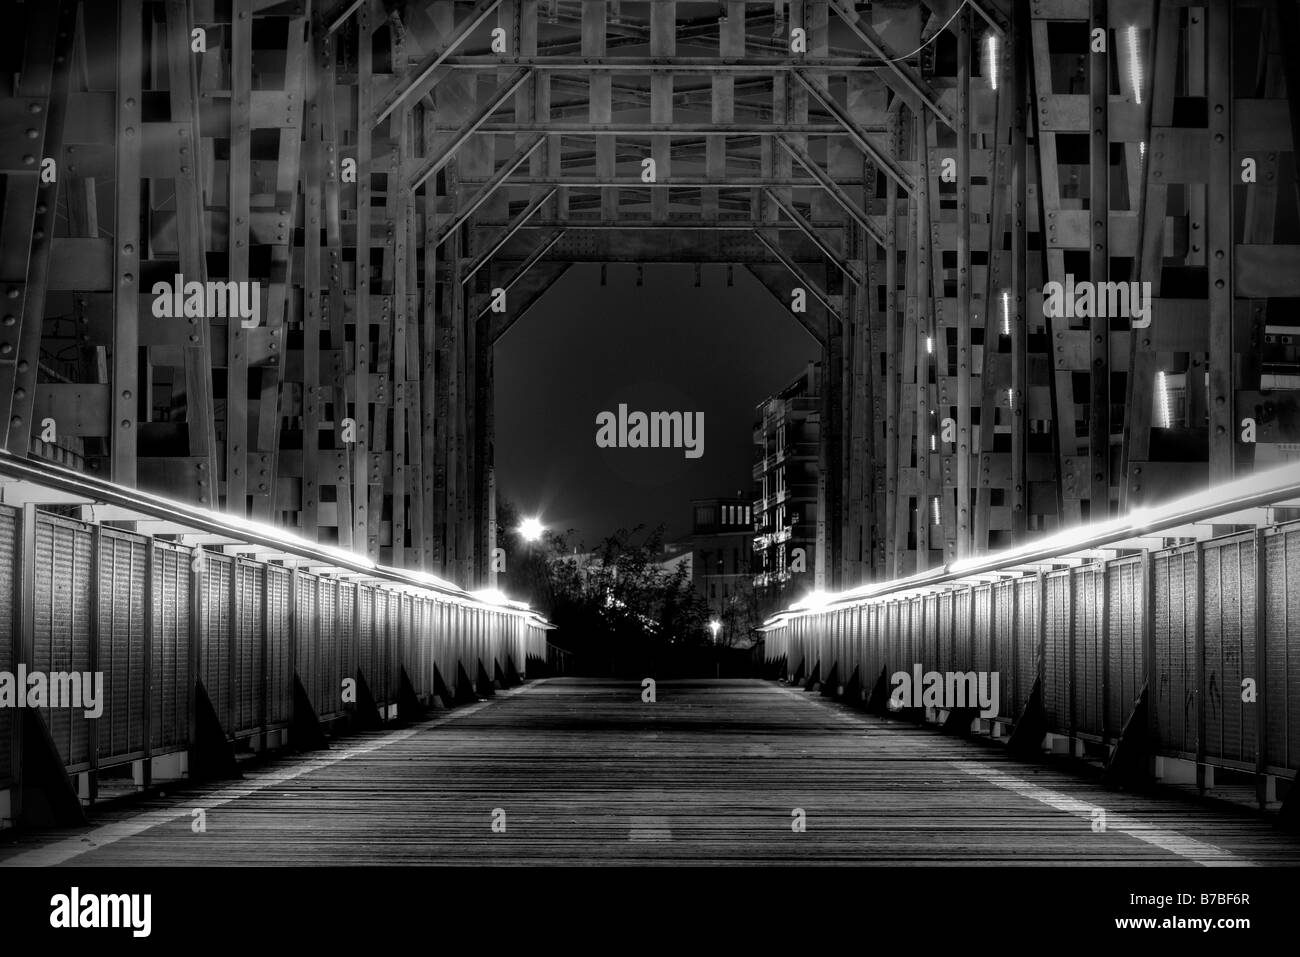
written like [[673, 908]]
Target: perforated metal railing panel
[[62, 624], [1086, 684], [1228, 604], [1056, 651], [249, 644], [279, 624], [215, 640], [8, 589], [1125, 652], [1004, 641], [1174, 623], [121, 645], [171, 679], [1282, 630], [1029, 637], [346, 642]]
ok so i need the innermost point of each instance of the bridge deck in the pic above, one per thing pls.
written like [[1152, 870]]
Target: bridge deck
[[711, 772]]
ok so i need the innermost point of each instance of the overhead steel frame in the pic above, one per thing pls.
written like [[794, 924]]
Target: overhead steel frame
[[382, 173]]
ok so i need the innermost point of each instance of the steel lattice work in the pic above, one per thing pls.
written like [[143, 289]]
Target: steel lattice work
[[1047, 247]]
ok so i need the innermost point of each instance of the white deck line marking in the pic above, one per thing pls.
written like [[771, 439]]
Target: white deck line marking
[[66, 849], [1207, 855]]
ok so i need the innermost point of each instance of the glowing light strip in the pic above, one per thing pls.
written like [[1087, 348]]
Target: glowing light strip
[[991, 58], [1134, 63], [150, 506], [1006, 313], [1162, 390], [1257, 490]]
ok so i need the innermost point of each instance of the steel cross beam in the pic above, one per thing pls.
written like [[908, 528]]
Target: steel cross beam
[[799, 274], [674, 182], [810, 231], [534, 257], [668, 129], [343, 15], [917, 86], [488, 188], [509, 231], [432, 164], [414, 85], [827, 183], [857, 134], [699, 65]]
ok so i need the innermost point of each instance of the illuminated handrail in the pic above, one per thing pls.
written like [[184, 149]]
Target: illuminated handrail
[[149, 505], [1259, 489]]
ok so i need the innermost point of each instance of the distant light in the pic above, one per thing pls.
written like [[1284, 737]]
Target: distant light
[[531, 529], [1162, 390], [1006, 313], [715, 626], [991, 58], [1134, 63], [813, 601]]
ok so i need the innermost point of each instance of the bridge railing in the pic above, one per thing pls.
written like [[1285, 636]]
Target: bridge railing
[[1175, 630], [197, 620]]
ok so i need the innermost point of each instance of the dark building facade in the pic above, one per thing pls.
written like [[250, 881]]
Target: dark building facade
[[786, 490]]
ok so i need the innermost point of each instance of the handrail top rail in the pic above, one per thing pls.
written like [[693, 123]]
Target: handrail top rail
[[1269, 487], [150, 506]]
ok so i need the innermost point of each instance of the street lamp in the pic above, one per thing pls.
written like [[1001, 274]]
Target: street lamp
[[531, 529], [715, 626]]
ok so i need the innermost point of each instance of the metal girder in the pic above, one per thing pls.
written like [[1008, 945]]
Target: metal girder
[[432, 164], [676, 182], [489, 187], [857, 134], [811, 232], [510, 230], [720, 225], [670, 129], [342, 16], [686, 64], [558, 269], [823, 178], [417, 84], [797, 271], [523, 268], [766, 273], [906, 75]]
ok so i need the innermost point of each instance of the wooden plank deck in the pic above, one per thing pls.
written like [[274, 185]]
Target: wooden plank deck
[[710, 773]]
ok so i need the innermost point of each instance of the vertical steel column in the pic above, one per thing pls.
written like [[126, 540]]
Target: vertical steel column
[[921, 331], [1220, 226], [126, 249], [364, 540], [1099, 271], [240, 200], [1019, 499], [965, 353], [313, 392]]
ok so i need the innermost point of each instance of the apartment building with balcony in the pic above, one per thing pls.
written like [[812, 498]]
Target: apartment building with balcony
[[786, 437]]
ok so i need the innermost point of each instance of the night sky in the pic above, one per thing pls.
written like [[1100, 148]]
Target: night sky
[[665, 346]]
